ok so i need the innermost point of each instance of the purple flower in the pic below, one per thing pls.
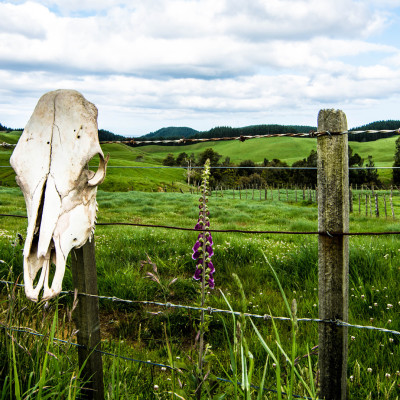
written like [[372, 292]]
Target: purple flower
[[202, 250], [197, 255], [197, 274], [211, 266], [197, 246]]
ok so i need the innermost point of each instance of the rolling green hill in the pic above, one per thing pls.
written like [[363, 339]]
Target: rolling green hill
[[121, 179], [170, 132], [10, 137]]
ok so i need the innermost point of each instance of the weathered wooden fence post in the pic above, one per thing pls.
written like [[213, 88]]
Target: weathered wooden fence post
[[391, 203], [376, 206], [333, 261], [384, 204], [86, 315], [351, 198], [369, 205]]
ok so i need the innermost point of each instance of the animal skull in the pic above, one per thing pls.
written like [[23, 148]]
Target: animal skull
[[50, 161]]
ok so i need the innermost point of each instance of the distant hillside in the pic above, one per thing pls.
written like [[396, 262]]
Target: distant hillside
[[377, 126], [225, 131], [287, 149], [252, 130], [172, 132]]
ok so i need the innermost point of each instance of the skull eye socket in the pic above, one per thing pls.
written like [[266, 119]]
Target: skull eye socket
[[93, 165], [95, 178]]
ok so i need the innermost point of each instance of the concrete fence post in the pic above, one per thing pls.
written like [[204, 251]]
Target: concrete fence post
[[333, 259]]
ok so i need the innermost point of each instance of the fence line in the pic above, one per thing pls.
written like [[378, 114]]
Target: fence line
[[333, 257]]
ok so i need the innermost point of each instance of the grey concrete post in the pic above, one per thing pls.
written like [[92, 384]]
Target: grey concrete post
[[333, 261]]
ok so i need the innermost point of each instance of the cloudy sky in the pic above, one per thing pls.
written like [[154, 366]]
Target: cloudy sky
[[148, 64]]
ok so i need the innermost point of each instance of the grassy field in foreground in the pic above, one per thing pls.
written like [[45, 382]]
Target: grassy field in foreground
[[137, 331], [284, 148]]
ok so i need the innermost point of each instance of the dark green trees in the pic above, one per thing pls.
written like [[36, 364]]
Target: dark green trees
[[371, 173], [169, 161]]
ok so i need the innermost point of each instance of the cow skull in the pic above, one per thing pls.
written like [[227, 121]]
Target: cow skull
[[51, 163]]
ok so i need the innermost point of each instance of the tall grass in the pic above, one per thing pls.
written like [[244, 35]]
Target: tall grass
[[136, 331], [34, 365]]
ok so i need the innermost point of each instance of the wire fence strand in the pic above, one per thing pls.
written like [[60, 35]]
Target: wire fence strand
[[255, 232]]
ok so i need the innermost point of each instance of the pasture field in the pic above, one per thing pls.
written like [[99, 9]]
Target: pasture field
[[168, 335], [287, 149]]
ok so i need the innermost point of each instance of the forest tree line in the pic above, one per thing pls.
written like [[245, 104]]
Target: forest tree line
[[267, 129]]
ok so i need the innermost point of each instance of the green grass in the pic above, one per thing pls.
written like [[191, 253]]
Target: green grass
[[120, 256], [10, 137]]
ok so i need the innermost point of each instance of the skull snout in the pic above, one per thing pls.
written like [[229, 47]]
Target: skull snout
[[61, 224]]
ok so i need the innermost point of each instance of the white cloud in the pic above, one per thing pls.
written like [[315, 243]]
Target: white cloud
[[24, 20], [197, 60]]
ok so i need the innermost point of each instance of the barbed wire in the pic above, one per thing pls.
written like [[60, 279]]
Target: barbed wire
[[212, 310], [241, 138], [35, 333], [229, 167]]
